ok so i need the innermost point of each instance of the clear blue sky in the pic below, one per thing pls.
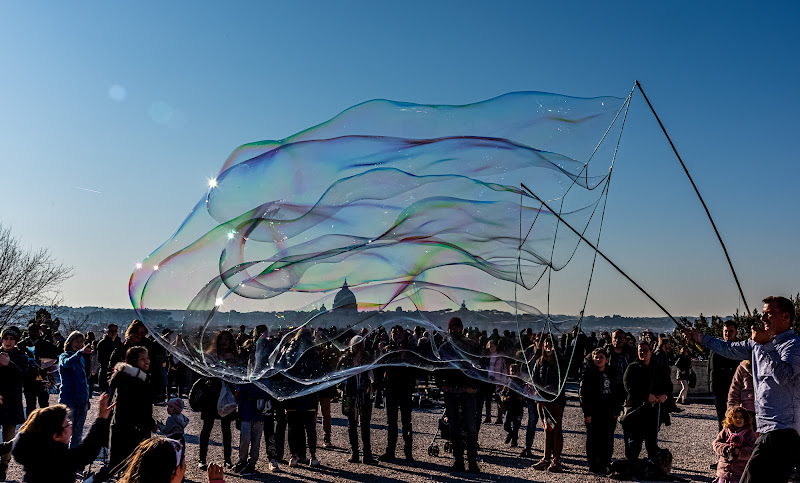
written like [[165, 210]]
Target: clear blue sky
[[141, 103]]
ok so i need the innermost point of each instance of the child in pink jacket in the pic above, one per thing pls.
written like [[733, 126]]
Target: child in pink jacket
[[734, 444]]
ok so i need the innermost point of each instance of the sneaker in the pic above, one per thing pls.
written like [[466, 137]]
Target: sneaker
[[327, 444], [508, 438], [273, 466], [526, 453], [555, 467], [314, 463], [240, 466], [386, 457], [248, 470], [202, 466], [542, 464], [294, 462], [228, 465]]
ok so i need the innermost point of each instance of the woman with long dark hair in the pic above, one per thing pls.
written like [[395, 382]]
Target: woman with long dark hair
[[549, 371], [42, 445], [133, 419], [223, 352]]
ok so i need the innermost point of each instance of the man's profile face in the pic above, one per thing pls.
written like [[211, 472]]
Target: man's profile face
[[774, 320], [729, 334]]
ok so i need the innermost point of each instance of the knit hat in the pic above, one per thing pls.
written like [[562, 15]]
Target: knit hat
[[176, 403], [13, 332]]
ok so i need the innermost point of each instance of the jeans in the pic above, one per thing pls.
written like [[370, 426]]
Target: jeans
[[35, 391], [275, 434], [460, 409], [600, 441], [9, 430], [365, 416], [250, 438], [533, 420], [78, 413], [399, 401], [302, 429], [325, 410], [205, 435], [644, 428]]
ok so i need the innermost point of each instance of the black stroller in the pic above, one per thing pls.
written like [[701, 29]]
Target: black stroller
[[443, 432]]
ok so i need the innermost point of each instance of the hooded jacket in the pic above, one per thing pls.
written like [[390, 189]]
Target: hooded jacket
[[47, 461], [11, 379], [134, 399]]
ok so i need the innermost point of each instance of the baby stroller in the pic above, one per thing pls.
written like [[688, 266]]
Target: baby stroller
[[443, 432]]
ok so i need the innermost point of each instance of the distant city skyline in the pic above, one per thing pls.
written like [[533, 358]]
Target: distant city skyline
[[110, 131]]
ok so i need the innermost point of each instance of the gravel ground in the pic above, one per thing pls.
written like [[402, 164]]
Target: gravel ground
[[689, 438]]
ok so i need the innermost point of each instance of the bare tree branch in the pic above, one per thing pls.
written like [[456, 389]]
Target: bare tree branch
[[27, 277]]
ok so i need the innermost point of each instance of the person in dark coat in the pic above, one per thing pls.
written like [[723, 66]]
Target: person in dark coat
[[105, 347], [459, 398], [356, 399], [13, 364], [721, 371], [598, 403], [646, 386], [38, 349], [400, 382], [133, 418], [548, 372], [42, 449]]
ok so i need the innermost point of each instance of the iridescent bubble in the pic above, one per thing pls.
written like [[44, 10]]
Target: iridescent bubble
[[388, 214]]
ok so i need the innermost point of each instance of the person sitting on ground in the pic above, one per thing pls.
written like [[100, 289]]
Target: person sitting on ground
[[42, 446], [162, 460], [734, 445], [175, 425]]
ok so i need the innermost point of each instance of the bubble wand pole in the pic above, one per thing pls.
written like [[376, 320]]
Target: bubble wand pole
[[597, 250], [713, 225]]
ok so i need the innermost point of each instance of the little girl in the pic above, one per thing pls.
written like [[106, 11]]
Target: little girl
[[734, 444]]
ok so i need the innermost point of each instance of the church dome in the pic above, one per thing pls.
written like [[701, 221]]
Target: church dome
[[345, 299]]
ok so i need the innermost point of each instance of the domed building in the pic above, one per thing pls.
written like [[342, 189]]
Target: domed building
[[345, 300]]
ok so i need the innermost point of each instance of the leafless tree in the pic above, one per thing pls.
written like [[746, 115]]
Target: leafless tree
[[27, 277]]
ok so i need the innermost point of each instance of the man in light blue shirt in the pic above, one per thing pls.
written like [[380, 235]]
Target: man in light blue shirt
[[775, 355]]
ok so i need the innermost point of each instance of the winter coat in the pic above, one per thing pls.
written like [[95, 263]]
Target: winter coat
[[731, 469], [47, 461], [742, 391], [11, 381], [36, 351], [134, 399], [547, 377], [248, 396], [74, 383], [596, 393], [641, 380], [174, 426]]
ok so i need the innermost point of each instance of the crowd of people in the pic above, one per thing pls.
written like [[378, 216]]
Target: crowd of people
[[622, 380]]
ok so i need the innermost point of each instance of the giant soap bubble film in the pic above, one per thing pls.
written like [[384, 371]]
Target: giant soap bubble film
[[388, 214]]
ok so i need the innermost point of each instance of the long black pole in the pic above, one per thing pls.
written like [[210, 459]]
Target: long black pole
[[714, 225], [601, 254]]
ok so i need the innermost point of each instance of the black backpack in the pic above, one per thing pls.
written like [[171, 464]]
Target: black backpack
[[200, 393]]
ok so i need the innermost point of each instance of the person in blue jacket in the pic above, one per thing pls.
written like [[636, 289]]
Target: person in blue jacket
[[74, 383]]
